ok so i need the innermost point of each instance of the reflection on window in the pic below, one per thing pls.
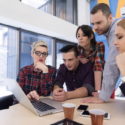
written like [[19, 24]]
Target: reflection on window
[[27, 38], [66, 9], [8, 53]]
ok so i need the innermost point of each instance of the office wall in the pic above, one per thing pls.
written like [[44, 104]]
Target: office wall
[[83, 12]]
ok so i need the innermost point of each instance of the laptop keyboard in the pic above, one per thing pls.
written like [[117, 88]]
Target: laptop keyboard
[[41, 106]]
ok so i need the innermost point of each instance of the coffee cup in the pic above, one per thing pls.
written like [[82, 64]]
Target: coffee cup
[[97, 116], [68, 109]]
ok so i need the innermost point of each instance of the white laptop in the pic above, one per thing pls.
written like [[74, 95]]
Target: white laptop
[[49, 106]]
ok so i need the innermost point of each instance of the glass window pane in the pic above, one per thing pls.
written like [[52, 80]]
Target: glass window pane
[[27, 38], [8, 53], [61, 9], [69, 10]]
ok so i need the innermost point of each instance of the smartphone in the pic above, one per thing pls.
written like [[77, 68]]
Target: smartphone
[[86, 114], [82, 107]]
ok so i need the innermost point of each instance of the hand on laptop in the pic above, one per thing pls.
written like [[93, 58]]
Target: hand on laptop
[[33, 95], [59, 94]]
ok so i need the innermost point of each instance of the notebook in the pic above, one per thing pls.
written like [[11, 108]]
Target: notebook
[[42, 107]]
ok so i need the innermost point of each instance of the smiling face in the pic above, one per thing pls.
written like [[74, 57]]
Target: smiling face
[[100, 22], [39, 54], [83, 40], [70, 60], [120, 39]]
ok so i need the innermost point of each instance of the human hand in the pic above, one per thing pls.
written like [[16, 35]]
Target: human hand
[[59, 94], [95, 94], [33, 95], [92, 100], [83, 60], [41, 66]]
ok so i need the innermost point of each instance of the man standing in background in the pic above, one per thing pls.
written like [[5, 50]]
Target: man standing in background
[[103, 24]]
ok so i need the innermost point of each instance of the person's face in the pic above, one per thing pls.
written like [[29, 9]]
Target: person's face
[[120, 39], [83, 40], [100, 22], [40, 54], [70, 60]]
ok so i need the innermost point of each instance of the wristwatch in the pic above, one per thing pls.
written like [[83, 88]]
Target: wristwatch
[[98, 91], [123, 79]]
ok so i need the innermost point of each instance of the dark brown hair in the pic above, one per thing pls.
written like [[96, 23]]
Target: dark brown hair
[[101, 7], [70, 48], [87, 30]]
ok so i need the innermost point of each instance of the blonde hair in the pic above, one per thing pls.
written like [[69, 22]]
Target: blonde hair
[[121, 23], [38, 43]]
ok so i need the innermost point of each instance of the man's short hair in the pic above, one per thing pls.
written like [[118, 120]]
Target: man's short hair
[[70, 48], [38, 43], [101, 7]]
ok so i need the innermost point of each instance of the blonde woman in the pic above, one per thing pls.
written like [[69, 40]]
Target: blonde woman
[[120, 45], [37, 79]]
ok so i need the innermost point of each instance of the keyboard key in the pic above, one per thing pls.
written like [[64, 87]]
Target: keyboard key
[[41, 106]]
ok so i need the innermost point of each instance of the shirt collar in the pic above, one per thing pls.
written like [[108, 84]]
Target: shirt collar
[[113, 22], [79, 65]]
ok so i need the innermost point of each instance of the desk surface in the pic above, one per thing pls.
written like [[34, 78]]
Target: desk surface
[[19, 115]]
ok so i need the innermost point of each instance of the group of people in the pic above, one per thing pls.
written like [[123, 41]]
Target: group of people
[[84, 70]]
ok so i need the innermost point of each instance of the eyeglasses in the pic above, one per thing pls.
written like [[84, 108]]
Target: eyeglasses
[[38, 53]]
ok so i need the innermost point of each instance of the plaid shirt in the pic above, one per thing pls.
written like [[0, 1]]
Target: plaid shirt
[[96, 57], [30, 80]]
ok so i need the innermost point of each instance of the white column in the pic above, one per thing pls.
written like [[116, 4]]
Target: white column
[[83, 12]]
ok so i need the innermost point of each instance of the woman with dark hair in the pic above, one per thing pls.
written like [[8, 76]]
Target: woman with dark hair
[[90, 50]]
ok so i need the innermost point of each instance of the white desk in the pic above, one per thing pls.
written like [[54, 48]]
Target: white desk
[[19, 115]]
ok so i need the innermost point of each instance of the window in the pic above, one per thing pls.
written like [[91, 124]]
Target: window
[[15, 50], [8, 52], [27, 38], [64, 9]]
